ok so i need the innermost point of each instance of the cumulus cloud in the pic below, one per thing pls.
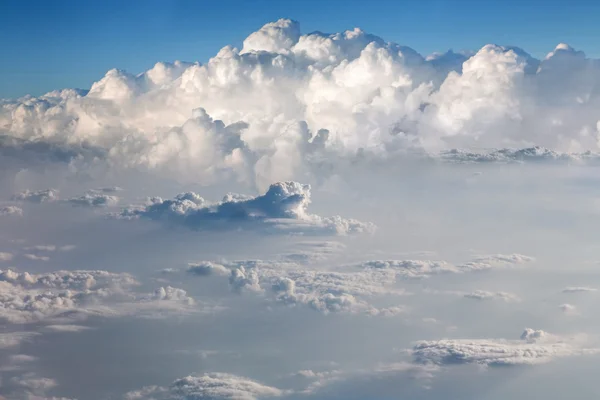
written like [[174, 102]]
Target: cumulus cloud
[[533, 347], [213, 386], [11, 210], [40, 196], [94, 200], [347, 93], [283, 208], [207, 268], [58, 297]]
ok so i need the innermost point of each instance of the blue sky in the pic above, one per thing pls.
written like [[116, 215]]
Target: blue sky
[[51, 45]]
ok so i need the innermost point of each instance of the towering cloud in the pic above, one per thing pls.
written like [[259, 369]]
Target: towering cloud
[[292, 101]]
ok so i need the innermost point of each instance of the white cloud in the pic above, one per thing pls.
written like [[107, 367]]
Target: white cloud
[[534, 347], [14, 339], [568, 309], [283, 208], [213, 386], [347, 93], [486, 295], [40, 196], [59, 297], [207, 268], [11, 210], [94, 200], [35, 257], [4, 256]]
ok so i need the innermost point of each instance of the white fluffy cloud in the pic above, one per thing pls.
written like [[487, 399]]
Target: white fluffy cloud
[[213, 386], [47, 298], [345, 93], [533, 347], [283, 208]]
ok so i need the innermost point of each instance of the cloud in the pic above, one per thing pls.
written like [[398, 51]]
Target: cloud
[[568, 309], [60, 297], [485, 295], [578, 289], [94, 200], [207, 268], [533, 347], [40, 196], [4, 256], [11, 210], [283, 208], [418, 269], [213, 386], [347, 94], [14, 339], [35, 257]]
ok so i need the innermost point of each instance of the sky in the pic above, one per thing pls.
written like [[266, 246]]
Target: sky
[[52, 45], [315, 212]]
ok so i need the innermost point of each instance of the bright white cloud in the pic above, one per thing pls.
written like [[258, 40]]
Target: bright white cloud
[[345, 94]]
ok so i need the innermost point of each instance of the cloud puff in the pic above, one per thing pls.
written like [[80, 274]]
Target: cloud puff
[[11, 210], [283, 208], [4, 256], [40, 196], [94, 200], [347, 93], [213, 386], [533, 347], [29, 298]]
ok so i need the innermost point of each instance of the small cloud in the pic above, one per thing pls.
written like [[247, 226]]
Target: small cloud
[[40, 196], [578, 289], [11, 210]]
